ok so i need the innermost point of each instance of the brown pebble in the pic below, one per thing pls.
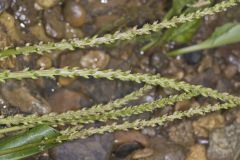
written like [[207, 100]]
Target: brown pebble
[[46, 3], [54, 24], [130, 136], [44, 62], [197, 152], [146, 152], [64, 81], [64, 100], [230, 71], [74, 13], [206, 124], [95, 59], [183, 105]]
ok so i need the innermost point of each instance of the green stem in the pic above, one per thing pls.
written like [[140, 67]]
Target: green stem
[[123, 76], [111, 38], [187, 49]]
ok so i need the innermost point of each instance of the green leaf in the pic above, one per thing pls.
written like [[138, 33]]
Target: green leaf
[[22, 145], [226, 34], [183, 33], [177, 8]]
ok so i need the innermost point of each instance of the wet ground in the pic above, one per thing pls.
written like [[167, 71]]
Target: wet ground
[[213, 137]]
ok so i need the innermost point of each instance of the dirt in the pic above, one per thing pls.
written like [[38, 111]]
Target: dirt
[[32, 21]]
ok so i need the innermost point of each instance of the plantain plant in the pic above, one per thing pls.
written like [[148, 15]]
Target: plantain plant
[[35, 133]]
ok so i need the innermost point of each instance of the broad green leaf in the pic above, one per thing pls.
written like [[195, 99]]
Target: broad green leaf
[[20, 146], [226, 34]]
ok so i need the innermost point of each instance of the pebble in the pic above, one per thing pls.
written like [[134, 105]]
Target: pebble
[[127, 142], [72, 32], [9, 23], [197, 152], [95, 59], [44, 62], [143, 153], [224, 143], [130, 136], [149, 131], [54, 24], [97, 147], [64, 100], [165, 150], [45, 4], [125, 150], [159, 61], [224, 85], [25, 12], [65, 81], [206, 63], [39, 33], [193, 58], [4, 39], [4, 4], [20, 96], [71, 59], [206, 124], [230, 71], [74, 13], [182, 133], [183, 105]]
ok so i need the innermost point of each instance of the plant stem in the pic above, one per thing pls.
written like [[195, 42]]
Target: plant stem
[[111, 38]]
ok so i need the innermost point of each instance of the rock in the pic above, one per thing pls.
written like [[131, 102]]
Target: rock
[[4, 40], [46, 3], [71, 59], [64, 100], [224, 85], [9, 23], [74, 13], [65, 81], [44, 62], [183, 105], [205, 63], [197, 152], [19, 96], [6, 109], [95, 59], [182, 133], [224, 143], [207, 78], [159, 61], [143, 153], [149, 131], [130, 136], [25, 12], [193, 58], [206, 124], [126, 143], [165, 150], [4, 4], [102, 20], [103, 91], [71, 32], [38, 31], [54, 24], [230, 71], [8, 63], [93, 148], [125, 150]]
